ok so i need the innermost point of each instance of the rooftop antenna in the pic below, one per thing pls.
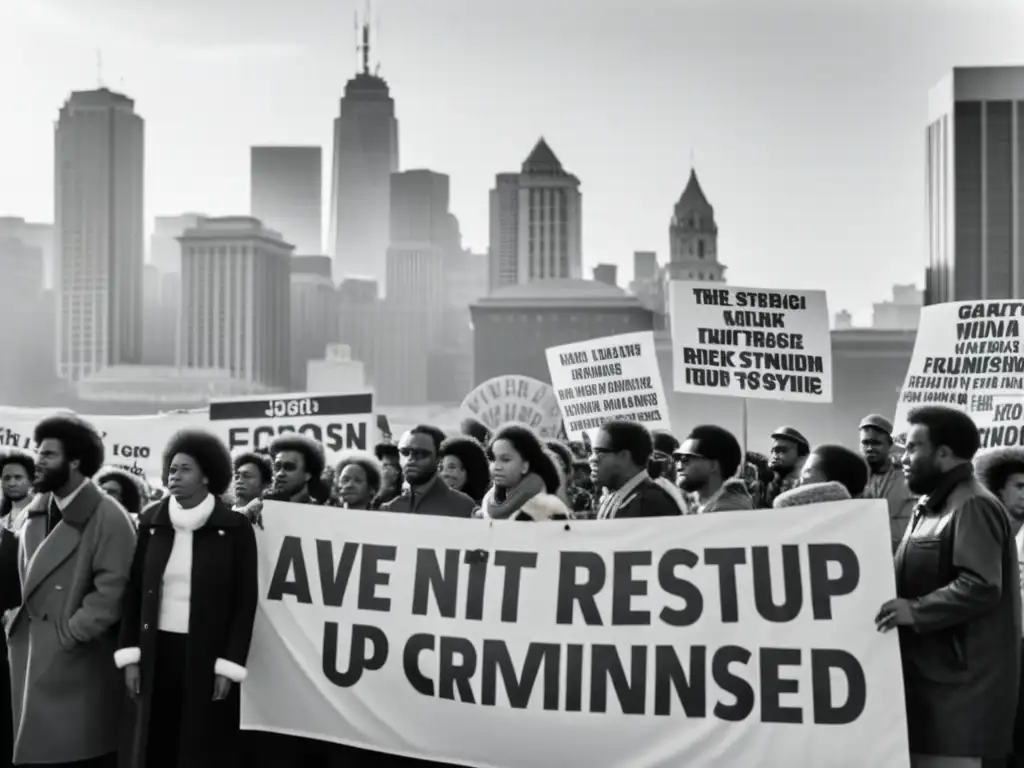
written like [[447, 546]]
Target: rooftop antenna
[[366, 40]]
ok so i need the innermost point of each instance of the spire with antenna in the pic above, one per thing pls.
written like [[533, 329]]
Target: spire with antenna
[[363, 37]]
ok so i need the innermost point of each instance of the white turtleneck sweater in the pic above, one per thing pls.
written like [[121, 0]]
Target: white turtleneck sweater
[[176, 591]]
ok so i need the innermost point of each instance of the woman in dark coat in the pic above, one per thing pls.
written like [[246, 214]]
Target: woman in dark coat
[[183, 650]]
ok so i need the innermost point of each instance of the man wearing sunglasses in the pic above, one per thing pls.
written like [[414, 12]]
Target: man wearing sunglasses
[[427, 494]]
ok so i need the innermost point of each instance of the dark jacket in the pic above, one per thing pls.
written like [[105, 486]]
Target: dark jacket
[[221, 614], [438, 500], [648, 499], [957, 565], [733, 496], [10, 597]]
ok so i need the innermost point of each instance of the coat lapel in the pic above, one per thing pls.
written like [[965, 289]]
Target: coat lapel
[[50, 552]]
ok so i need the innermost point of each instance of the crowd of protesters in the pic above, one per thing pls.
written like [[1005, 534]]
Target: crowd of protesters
[[112, 658]]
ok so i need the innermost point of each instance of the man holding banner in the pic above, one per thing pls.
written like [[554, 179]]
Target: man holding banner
[[958, 607]]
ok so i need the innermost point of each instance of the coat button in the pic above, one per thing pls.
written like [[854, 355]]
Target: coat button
[[145, 627], [152, 531], [58, 587], [220, 531]]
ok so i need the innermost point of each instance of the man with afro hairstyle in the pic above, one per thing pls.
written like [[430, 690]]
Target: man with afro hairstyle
[[71, 604], [17, 472], [298, 463], [253, 476]]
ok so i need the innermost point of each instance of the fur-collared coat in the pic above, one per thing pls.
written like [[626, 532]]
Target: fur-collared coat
[[221, 613], [812, 493], [66, 692]]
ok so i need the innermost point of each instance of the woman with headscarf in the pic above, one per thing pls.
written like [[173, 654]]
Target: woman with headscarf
[[123, 487], [359, 477], [525, 476], [464, 466], [188, 614]]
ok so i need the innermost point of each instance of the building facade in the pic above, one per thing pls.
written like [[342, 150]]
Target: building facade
[[164, 248], [33, 233], [974, 167], [365, 156], [235, 300], [99, 155], [693, 237], [513, 326], [359, 320], [536, 224], [285, 193], [314, 308]]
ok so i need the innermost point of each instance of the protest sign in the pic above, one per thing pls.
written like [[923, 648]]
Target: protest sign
[[513, 645], [339, 421], [515, 398], [967, 355], [750, 342], [615, 377], [134, 443]]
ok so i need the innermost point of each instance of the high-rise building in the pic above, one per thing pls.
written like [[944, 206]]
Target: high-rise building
[[159, 320], [99, 154], [975, 167], [235, 300], [314, 307], [164, 248], [645, 265], [36, 234], [359, 312], [365, 156], [423, 233], [285, 185], [465, 283], [693, 237], [536, 222]]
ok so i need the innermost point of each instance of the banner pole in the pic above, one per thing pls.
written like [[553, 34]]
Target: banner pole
[[744, 431]]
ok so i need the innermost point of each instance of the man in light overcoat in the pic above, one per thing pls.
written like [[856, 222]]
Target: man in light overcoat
[[73, 559]]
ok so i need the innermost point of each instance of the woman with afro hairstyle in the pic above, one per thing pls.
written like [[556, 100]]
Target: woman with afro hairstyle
[[188, 614], [525, 476], [121, 485], [464, 466], [359, 478]]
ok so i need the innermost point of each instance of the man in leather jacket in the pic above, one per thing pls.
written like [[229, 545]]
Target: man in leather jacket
[[958, 607]]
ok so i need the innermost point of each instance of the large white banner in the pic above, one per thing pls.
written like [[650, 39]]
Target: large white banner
[[711, 640], [765, 343], [339, 421], [967, 356], [135, 443], [613, 377]]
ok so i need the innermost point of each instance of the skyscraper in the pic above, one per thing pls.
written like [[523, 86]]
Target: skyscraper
[[314, 308], [99, 232], [365, 156], [164, 248], [285, 194], [975, 163], [236, 300], [536, 222], [693, 237]]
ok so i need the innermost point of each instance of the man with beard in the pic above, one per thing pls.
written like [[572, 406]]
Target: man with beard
[[958, 606], [708, 459], [886, 480], [17, 468], [427, 494], [789, 451], [65, 629]]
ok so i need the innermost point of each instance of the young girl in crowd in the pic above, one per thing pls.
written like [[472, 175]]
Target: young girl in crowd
[[525, 476], [359, 477]]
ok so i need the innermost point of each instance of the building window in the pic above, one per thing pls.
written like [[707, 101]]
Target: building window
[[700, 249]]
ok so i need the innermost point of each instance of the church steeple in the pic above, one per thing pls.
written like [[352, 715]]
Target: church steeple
[[693, 236]]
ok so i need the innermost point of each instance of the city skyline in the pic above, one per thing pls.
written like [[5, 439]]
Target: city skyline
[[761, 127]]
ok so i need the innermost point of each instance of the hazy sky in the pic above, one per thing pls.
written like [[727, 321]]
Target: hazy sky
[[806, 119]]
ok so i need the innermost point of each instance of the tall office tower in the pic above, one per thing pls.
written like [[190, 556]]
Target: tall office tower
[[235, 300], [536, 222], [164, 248], [645, 265], [159, 320], [975, 166], [423, 233], [359, 311], [285, 194], [314, 322], [365, 156], [693, 237], [99, 232]]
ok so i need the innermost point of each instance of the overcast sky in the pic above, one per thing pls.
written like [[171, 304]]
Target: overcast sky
[[805, 118]]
